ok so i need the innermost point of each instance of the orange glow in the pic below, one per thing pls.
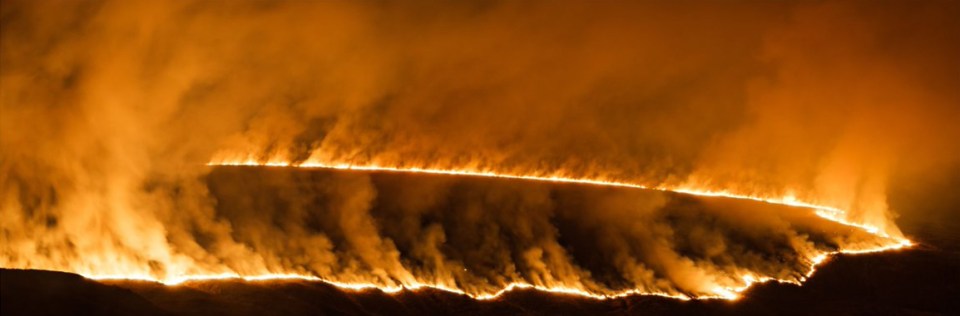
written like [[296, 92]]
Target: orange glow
[[827, 212], [726, 292], [586, 149]]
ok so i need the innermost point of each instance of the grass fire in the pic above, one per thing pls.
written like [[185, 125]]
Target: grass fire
[[478, 157]]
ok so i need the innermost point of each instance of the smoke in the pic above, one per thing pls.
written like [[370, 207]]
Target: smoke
[[480, 235], [111, 109]]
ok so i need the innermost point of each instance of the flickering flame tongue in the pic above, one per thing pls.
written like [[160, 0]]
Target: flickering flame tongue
[[729, 292], [828, 212], [106, 109], [725, 293], [561, 276]]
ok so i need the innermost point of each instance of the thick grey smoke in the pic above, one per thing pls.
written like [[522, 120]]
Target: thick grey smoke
[[110, 109]]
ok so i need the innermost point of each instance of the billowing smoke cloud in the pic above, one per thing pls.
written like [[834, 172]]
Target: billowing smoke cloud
[[480, 235], [111, 109]]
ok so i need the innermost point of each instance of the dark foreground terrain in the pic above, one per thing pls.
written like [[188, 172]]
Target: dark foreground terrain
[[919, 281]]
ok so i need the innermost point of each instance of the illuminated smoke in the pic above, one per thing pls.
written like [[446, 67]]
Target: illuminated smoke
[[480, 235], [110, 111]]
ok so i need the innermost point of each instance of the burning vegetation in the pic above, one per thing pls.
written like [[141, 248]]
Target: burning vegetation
[[593, 149]]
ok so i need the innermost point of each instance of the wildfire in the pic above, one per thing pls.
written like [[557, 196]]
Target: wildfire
[[720, 292], [827, 212]]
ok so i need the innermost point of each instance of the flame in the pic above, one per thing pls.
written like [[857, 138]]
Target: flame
[[828, 212], [727, 289], [731, 292]]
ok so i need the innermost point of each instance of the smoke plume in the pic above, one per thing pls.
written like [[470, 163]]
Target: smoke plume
[[110, 111]]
